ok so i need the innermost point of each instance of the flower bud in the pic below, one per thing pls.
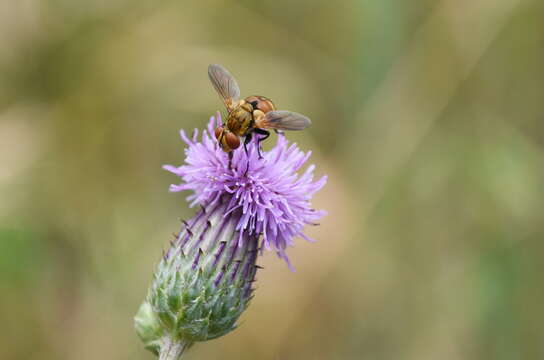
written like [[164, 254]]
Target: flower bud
[[203, 282]]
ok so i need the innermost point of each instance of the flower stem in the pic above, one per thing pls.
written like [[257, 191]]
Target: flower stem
[[172, 350]]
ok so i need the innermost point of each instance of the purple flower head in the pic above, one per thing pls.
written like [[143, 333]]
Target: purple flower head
[[273, 197]]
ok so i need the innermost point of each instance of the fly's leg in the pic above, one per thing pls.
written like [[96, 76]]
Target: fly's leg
[[246, 141], [230, 160], [265, 134]]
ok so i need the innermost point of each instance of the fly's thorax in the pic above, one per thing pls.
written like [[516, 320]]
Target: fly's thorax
[[240, 119]]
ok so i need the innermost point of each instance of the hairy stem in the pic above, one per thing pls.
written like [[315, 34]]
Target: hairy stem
[[172, 349]]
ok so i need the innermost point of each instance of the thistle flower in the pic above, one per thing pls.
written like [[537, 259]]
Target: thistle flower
[[275, 201], [204, 281]]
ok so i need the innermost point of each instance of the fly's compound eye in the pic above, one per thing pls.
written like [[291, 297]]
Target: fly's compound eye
[[218, 131], [232, 140]]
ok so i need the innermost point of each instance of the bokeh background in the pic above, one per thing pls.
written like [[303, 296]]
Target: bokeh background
[[428, 117]]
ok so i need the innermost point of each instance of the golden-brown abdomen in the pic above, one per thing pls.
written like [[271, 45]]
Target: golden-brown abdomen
[[261, 103]]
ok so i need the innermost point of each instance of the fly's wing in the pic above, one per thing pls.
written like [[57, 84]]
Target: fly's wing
[[283, 120], [225, 85]]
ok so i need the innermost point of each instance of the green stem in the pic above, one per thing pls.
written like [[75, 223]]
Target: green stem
[[172, 349]]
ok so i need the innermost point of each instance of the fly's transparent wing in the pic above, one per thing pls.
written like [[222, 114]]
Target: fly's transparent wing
[[283, 120], [225, 84]]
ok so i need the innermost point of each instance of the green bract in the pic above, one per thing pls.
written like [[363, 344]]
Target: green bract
[[203, 282]]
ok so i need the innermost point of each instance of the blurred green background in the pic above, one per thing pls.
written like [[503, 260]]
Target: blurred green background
[[427, 117]]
